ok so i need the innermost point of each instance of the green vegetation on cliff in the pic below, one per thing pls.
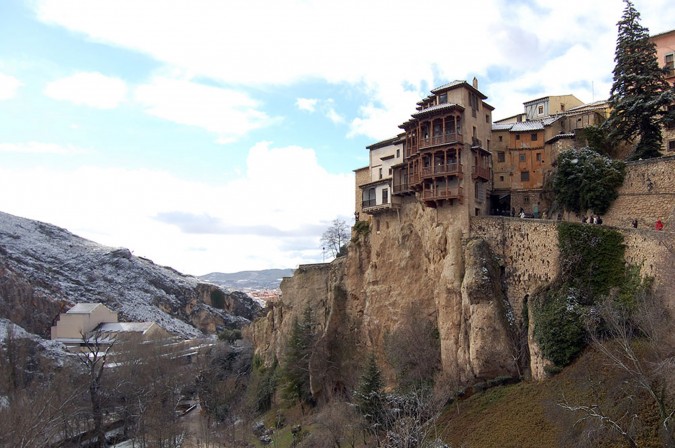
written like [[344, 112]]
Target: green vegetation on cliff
[[592, 270]]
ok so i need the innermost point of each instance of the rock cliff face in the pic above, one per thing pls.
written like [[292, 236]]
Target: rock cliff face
[[423, 268], [44, 270]]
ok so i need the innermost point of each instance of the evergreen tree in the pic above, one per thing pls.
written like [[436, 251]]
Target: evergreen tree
[[587, 180], [369, 395], [296, 372], [640, 94]]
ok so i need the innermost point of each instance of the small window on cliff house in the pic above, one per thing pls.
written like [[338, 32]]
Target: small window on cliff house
[[538, 157], [533, 137], [671, 145], [522, 157], [517, 136], [501, 156], [524, 176], [541, 110]]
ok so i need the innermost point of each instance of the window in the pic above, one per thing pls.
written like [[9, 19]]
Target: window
[[526, 200], [501, 156], [671, 145], [562, 107], [398, 153], [671, 125], [541, 110], [517, 136], [501, 138], [538, 157], [521, 156], [443, 98], [380, 173], [524, 176], [670, 64], [390, 171], [533, 137], [501, 178], [487, 118], [385, 196]]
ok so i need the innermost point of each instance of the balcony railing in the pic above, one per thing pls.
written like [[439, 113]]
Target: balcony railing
[[368, 203], [400, 188], [443, 193], [442, 169], [480, 172], [439, 140]]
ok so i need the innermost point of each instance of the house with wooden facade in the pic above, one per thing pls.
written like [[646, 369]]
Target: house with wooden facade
[[446, 160], [524, 151]]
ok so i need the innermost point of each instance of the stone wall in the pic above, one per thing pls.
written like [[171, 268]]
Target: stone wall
[[647, 193], [528, 250]]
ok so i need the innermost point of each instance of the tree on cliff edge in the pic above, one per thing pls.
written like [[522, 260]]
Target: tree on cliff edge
[[640, 94], [335, 236]]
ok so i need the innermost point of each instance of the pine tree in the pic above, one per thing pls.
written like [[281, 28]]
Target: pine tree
[[369, 395], [640, 94], [296, 373]]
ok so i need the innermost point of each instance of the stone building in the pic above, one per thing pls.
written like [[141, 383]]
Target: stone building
[[525, 149]]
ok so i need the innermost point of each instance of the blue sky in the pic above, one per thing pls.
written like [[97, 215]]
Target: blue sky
[[213, 135]]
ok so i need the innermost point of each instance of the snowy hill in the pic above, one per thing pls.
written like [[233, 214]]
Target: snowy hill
[[45, 269]]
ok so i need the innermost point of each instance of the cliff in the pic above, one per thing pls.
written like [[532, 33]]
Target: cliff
[[424, 269], [470, 282]]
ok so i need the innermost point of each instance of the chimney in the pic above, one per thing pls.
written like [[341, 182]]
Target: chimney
[[475, 83]]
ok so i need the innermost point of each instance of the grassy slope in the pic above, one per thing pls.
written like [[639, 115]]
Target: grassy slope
[[527, 414]]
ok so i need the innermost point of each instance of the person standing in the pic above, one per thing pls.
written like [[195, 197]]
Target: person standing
[[658, 225]]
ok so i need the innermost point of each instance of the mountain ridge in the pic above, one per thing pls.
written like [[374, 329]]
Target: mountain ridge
[[45, 269]]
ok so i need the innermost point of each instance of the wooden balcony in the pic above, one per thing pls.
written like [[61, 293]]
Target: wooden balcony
[[443, 193], [439, 140], [480, 172], [400, 188], [442, 170]]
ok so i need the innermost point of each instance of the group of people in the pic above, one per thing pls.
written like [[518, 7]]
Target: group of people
[[593, 219]]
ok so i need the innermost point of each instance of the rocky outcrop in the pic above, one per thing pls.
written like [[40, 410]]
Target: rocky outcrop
[[45, 269], [424, 269]]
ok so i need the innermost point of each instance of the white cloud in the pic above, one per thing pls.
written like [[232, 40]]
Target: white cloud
[[91, 89], [41, 148], [8, 86], [308, 104], [387, 47], [271, 216], [225, 112]]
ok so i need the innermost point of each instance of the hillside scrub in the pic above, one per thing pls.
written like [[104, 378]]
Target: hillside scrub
[[592, 268]]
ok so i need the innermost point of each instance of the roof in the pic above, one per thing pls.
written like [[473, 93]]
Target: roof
[[665, 33], [560, 136], [83, 308], [455, 84], [383, 143], [126, 327], [525, 126], [502, 126], [436, 108]]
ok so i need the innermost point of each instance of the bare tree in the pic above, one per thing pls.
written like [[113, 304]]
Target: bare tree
[[637, 343], [93, 358], [336, 236]]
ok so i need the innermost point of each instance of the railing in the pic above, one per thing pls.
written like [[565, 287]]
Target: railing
[[476, 142], [481, 172], [368, 203], [443, 193], [400, 188], [443, 169], [439, 140]]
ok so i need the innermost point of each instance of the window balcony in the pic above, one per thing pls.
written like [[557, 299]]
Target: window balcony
[[400, 188], [480, 172], [436, 140], [443, 193], [441, 170]]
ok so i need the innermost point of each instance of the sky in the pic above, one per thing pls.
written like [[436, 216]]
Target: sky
[[221, 136]]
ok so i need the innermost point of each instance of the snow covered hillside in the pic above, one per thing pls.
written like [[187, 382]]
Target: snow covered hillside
[[45, 269]]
